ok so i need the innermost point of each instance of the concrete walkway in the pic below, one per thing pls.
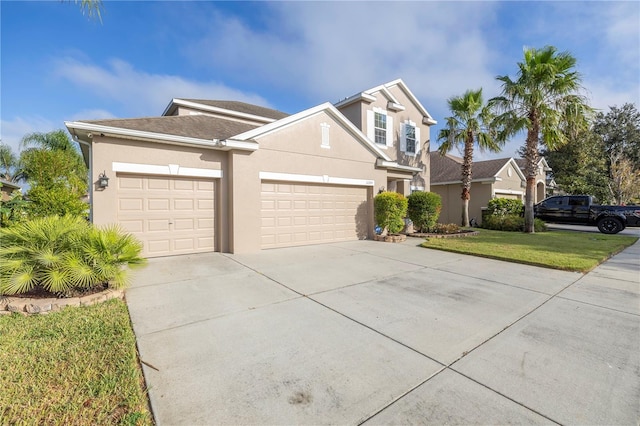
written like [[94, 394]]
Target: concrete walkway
[[379, 333]]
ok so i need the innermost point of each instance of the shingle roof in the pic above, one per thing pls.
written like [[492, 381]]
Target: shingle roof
[[242, 107], [194, 126], [448, 168]]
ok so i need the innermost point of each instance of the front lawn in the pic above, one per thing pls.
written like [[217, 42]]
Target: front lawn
[[78, 366], [569, 251]]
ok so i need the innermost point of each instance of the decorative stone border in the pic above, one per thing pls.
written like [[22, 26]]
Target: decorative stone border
[[456, 235], [393, 238], [29, 306]]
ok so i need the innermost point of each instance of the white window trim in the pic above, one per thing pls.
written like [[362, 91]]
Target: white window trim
[[371, 132], [403, 140], [169, 169], [324, 179]]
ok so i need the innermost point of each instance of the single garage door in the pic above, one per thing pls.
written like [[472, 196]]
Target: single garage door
[[169, 215], [295, 214]]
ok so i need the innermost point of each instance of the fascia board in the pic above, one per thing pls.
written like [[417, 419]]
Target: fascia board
[[356, 98], [459, 182], [224, 111], [160, 137], [392, 165], [427, 119]]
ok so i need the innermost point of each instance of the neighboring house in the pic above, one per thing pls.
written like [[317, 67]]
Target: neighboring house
[[232, 177], [6, 189], [545, 185], [500, 178]]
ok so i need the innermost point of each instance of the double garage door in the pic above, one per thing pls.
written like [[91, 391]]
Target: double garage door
[[294, 214], [170, 215]]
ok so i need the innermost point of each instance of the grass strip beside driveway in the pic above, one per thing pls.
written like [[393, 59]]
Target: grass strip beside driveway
[[565, 250], [78, 366]]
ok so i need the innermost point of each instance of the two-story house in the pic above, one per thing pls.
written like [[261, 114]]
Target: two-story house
[[233, 177]]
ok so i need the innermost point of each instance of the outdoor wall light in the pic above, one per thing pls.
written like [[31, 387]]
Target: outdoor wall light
[[103, 180]]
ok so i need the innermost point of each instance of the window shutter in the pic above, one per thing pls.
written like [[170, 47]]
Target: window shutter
[[418, 141], [389, 130], [403, 137], [370, 125]]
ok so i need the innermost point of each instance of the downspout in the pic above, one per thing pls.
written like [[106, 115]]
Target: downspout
[[90, 177]]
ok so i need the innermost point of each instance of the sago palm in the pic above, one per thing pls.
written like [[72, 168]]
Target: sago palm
[[544, 100], [469, 124]]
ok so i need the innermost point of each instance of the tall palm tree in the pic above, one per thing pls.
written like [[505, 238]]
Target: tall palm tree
[[545, 100], [469, 124]]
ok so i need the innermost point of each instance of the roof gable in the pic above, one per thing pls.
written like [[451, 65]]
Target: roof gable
[[296, 118], [369, 96], [236, 109], [447, 168]]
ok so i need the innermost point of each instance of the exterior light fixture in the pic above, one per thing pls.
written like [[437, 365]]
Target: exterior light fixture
[[103, 180]]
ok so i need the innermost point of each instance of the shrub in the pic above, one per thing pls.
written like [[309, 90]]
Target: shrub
[[446, 228], [505, 206], [510, 222], [59, 254], [424, 209], [13, 210], [390, 209]]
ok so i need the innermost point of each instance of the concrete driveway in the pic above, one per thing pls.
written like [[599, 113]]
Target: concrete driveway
[[380, 333]]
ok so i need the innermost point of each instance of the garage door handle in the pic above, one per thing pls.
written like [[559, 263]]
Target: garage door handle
[[170, 221]]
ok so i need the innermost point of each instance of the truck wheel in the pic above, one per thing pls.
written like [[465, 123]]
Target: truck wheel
[[610, 225]]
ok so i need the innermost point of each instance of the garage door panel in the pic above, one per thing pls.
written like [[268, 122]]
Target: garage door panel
[[170, 215], [297, 214]]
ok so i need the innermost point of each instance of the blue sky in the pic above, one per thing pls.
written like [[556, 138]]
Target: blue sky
[[57, 64]]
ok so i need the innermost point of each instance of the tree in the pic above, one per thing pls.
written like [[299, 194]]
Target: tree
[[92, 8], [580, 166], [10, 169], [469, 125], [56, 184], [544, 100], [619, 134], [56, 140], [56, 173]]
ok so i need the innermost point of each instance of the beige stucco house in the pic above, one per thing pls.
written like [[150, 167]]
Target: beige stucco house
[[498, 178], [232, 177]]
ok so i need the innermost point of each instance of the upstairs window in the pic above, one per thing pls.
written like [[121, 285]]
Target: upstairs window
[[410, 135], [409, 138], [380, 126]]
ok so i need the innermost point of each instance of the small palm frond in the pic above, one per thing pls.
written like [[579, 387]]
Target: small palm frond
[[56, 280], [20, 281]]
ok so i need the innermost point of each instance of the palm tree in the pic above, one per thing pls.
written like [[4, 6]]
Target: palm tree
[[92, 8], [544, 99], [469, 125], [54, 140], [10, 169]]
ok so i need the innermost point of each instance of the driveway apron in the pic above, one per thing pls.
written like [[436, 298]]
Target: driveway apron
[[379, 333]]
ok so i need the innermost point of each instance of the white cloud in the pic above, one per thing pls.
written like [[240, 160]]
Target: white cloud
[[12, 131], [330, 50], [139, 92]]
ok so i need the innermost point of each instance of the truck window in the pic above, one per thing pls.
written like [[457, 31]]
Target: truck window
[[556, 201], [578, 201]]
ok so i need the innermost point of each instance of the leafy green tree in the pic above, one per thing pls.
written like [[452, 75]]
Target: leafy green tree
[[469, 125], [580, 166], [619, 134], [423, 208], [544, 100], [390, 209], [57, 177]]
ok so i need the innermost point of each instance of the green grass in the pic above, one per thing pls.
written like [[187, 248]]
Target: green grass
[[78, 366], [569, 251]]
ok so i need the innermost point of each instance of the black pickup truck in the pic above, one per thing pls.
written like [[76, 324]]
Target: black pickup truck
[[579, 209]]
